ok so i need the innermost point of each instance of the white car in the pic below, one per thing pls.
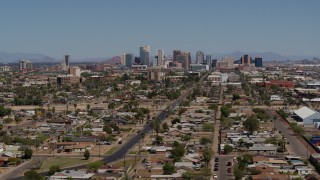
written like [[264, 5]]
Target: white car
[[215, 176]]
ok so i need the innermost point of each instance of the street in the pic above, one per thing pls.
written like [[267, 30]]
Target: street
[[18, 171], [297, 145], [222, 173]]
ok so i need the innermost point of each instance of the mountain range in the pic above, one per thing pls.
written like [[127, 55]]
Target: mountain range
[[36, 57], [266, 56]]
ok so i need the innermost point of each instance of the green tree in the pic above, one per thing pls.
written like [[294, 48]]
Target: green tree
[[107, 128], [17, 118], [7, 120], [112, 106], [4, 111], [251, 124], [187, 175], [88, 108], [186, 137], [156, 126], [206, 158], [282, 113], [205, 140], [27, 153], [238, 173], [225, 111], [159, 139], [177, 151], [175, 120], [228, 149], [168, 169], [14, 161], [235, 97], [213, 107], [53, 169], [75, 106], [32, 175], [165, 126], [244, 160], [86, 154], [207, 127]]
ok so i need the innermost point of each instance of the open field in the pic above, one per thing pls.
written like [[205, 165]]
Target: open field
[[64, 162]]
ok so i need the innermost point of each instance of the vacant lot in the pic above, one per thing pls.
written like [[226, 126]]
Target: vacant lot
[[64, 162]]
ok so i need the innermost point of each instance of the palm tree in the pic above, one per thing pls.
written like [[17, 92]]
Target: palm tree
[[53, 110], [88, 107], [206, 158], [142, 139], [75, 106]]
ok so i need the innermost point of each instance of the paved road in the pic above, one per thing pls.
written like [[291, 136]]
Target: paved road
[[16, 172], [222, 173], [299, 147]]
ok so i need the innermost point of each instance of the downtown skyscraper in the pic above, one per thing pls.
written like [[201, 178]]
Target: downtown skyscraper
[[199, 57], [145, 55], [160, 57]]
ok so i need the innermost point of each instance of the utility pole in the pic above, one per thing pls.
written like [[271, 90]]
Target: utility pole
[[124, 162], [99, 149]]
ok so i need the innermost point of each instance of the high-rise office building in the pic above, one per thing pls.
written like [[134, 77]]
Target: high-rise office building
[[246, 59], [25, 64], [123, 58], [136, 60], [65, 63], [129, 60], [258, 62], [214, 63], [160, 57], [208, 59], [66, 60], [175, 54], [185, 59], [199, 57], [145, 55], [230, 62]]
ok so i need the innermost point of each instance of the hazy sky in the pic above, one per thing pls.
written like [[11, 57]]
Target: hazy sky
[[105, 28]]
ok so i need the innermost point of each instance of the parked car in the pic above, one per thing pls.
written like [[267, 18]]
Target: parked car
[[229, 164], [229, 170], [216, 169], [216, 159]]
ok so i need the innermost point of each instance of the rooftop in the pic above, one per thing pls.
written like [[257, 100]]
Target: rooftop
[[304, 112]]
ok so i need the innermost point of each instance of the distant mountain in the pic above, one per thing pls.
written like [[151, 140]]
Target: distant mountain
[[15, 57], [267, 56], [114, 60]]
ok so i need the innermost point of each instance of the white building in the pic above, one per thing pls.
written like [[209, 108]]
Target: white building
[[306, 115], [224, 77], [215, 77], [275, 98], [75, 71]]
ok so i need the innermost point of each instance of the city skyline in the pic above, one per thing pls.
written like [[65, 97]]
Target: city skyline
[[104, 29]]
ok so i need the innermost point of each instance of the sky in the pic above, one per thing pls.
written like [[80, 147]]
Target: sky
[[106, 28]]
